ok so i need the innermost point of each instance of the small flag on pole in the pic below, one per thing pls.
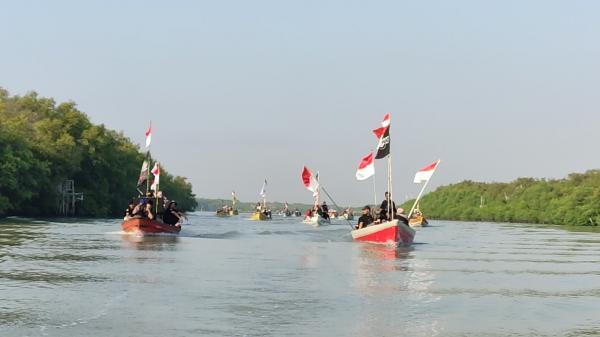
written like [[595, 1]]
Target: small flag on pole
[[425, 173], [156, 172], [366, 168], [143, 174], [149, 136], [263, 190]]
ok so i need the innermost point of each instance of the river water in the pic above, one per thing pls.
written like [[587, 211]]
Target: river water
[[234, 277]]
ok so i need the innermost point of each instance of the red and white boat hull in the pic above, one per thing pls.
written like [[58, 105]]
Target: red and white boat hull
[[389, 233]]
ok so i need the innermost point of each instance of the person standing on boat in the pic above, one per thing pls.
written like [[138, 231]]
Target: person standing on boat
[[365, 219], [383, 214], [325, 211]]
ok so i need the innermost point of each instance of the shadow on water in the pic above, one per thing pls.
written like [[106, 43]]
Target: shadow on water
[[150, 242]]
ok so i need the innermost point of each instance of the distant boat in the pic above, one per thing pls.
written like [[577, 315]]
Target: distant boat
[[262, 213], [227, 211], [417, 219], [311, 183], [316, 221]]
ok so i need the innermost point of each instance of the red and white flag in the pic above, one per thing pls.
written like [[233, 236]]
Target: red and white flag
[[366, 168], [149, 136], [310, 182], [156, 172], [425, 173], [386, 121]]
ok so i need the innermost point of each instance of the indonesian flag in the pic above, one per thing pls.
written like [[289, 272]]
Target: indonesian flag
[[156, 172], [263, 190], [143, 174], [425, 173], [149, 136], [386, 121], [383, 134], [366, 168], [311, 183]]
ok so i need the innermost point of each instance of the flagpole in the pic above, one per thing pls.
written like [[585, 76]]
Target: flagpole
[[317, 198], [422, 190], [374, 191], [148, 172], [389, 203]]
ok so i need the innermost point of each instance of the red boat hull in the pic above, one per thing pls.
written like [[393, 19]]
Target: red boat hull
[[389, 233], [147, 226]]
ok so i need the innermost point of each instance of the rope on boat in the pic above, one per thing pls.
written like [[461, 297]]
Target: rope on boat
[[336, 205]]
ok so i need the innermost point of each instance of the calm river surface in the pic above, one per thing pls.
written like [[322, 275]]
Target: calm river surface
[[234, 277]]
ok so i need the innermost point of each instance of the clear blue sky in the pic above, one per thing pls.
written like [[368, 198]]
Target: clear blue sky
[[243, 90]]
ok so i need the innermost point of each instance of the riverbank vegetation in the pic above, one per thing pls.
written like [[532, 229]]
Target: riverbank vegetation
[[211, 205], [43, 143], [573, 201]]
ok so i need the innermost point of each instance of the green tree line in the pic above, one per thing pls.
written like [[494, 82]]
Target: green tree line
[[211, 205], [43, 143], [573, 201]]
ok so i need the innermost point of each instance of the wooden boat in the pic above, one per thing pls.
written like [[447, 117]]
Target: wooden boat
[[389, 233], [226, 213], [259, 216], [418, 220], [316, 221], [147, 226]]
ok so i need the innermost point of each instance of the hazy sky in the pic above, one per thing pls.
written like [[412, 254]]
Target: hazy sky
[[243, 90]]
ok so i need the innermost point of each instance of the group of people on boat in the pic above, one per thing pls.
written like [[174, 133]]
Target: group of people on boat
[[387, 212], [322, 210], [263, 209], [166, 210]]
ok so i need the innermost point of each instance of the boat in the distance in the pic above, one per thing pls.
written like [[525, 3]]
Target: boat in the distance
[[147, 226], [316, 220], [226, 210], [417, 219], [316, 216], [389, 233], [262, 213]]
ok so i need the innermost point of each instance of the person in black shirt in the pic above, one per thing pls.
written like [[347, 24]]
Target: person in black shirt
[[365, 219], [325, 210], [129, 210], [171, 216], [383, 215]]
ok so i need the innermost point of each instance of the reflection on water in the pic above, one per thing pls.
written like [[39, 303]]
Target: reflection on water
[[232, 277], [150, 242]]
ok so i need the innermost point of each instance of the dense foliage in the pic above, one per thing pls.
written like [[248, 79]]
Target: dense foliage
[[43, 143], [571, 201]]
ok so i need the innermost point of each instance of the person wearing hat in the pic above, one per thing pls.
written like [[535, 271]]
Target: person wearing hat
[[365, 219]]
